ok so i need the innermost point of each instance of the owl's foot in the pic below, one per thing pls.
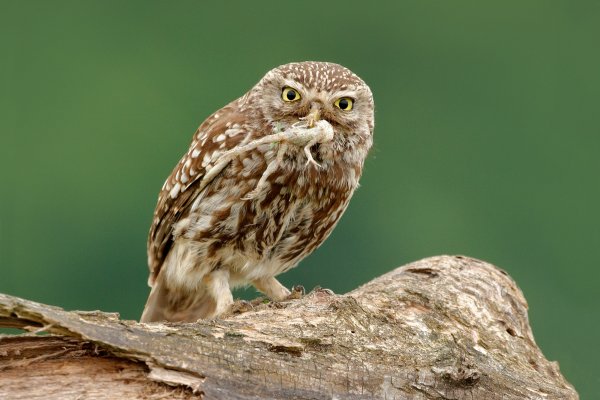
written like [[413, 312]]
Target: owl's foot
[[272, 288], [297, 293]]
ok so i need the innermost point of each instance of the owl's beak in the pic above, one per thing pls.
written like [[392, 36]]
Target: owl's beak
[[314, 115]]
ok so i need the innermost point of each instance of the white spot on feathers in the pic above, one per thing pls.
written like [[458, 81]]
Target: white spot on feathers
[[205, 160], [175, 191]]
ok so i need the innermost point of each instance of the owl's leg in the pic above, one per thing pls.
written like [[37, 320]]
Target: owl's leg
[[178, 304], [217, 286], [271, 288]]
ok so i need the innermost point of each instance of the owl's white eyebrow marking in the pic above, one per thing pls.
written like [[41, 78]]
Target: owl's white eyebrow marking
[[291, 83]]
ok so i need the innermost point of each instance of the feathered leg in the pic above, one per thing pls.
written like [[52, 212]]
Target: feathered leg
[[185, 291], [211, 299], [271, 288]]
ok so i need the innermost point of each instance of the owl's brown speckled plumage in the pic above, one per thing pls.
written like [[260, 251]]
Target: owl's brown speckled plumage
[[217, 225]]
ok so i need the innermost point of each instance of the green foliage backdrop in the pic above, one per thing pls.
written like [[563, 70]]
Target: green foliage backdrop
[[486, 141]]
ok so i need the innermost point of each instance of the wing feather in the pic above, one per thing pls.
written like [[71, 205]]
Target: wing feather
[[220, 132]]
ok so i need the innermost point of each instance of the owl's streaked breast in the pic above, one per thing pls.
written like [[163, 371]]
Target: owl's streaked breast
[[290, 217]]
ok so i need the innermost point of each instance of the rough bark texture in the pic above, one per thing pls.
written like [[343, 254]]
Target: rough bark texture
[[440, 328]]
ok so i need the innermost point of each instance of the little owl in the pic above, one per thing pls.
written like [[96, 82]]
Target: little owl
[[263, 184]]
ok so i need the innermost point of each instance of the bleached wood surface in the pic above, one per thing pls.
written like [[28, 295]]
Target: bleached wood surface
[[445, 327]]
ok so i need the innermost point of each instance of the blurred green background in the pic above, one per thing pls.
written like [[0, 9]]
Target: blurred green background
[[486, 142]]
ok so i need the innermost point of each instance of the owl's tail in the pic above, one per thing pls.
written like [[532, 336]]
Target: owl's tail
[[166, 304]]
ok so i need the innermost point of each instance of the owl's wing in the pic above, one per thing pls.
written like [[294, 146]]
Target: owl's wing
[[220, 132]]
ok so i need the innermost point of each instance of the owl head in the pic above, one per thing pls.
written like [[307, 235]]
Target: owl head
[[309, 91]]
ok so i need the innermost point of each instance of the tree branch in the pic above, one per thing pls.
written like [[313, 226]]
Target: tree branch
[[440, 328]]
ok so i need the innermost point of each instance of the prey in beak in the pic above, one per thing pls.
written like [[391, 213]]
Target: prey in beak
[[313, 115]]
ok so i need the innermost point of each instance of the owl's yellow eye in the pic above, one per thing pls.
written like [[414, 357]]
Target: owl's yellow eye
[[344, 103], [289, 94]]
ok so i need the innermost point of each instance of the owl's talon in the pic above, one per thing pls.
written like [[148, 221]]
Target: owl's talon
[[297, 293]]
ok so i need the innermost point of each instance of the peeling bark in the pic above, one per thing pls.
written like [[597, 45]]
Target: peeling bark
[[440, 328]]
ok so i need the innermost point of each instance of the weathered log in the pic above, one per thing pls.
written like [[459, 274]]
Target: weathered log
[[441, 328]]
